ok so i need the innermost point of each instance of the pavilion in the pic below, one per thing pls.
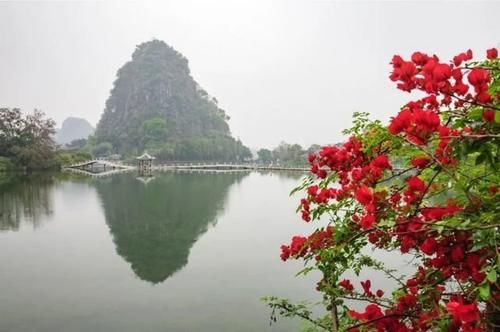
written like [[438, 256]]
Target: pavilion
[[145, 162]]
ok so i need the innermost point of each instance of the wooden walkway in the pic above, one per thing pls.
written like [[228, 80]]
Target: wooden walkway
[[99, 162], [228, 166], [99, 167]]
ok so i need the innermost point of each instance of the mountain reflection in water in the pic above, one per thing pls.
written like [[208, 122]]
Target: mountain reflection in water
[[155, 224]]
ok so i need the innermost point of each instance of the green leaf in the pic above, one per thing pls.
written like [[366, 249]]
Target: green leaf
[[387, 222], [476, 114], [484, 291], [304, 271], [492, 276], [497, 117]]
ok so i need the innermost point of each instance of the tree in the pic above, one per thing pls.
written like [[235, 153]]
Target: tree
[[440, 205], [154, 132], [265, 156], [289, 154], [77, 144], [11, 125], [27, 140], [103, 149]]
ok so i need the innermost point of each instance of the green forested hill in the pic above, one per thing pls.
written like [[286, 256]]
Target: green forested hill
[[156, 105]]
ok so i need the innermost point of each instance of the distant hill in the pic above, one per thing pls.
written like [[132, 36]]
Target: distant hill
[[73, 128], [156, 105]]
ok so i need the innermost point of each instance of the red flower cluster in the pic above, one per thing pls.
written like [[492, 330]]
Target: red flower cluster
[[438, 213], [463, 312], [374, 313], [428, 74], [417, 124], [301, 246], [296, 248], [480, 78], [464, 315], [355, 172], [415, 190]]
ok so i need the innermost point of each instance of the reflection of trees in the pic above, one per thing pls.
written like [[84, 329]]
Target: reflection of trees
[[155, 225], [27, 198]]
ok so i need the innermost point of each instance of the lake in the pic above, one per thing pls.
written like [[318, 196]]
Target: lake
[[180, 251]]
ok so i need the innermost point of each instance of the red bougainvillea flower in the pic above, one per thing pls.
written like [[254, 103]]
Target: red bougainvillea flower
[[438, 213], [416, 123], [372, 311], [420, 162], [366, 287], [381, 161], [479, 78], [492, 53], [419, 58], [457, 60], [489, 115], [463, 312], [298, 247], [415, 184], [364, 195], [441, 72], [429, 246], [346, 284], [285, 253], [400, 122], [367, 221], [457, 254], [312, 190]]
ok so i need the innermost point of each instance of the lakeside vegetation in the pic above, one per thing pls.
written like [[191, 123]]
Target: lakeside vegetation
[[26, 140], [287, 155], [27, 143]]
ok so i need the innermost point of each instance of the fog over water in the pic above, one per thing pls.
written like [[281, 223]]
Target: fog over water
[[283, 70]]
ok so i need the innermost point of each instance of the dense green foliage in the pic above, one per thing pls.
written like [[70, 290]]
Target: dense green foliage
[[26, 140], [265, 156], [68, 157], [156, 105], [5, 164]]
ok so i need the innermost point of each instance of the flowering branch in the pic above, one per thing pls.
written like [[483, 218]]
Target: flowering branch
[[440, 204]]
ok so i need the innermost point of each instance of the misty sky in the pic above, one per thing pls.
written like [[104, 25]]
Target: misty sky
[[283, 70]]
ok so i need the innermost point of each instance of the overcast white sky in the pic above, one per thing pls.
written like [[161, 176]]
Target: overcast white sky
[[282, 69]]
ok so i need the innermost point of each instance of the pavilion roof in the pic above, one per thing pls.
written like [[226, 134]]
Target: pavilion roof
[[145, 156]]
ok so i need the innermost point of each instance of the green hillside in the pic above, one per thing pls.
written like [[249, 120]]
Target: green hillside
[[156, 105]]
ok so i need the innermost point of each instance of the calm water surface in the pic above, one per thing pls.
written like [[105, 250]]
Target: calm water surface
[[182, 252]]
